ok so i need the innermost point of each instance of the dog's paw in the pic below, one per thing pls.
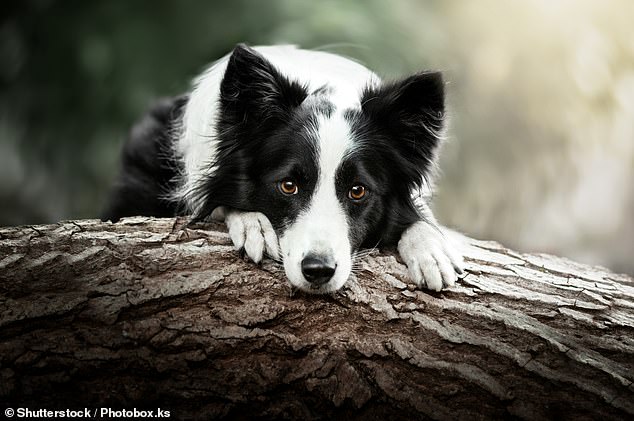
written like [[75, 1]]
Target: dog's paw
[[253, 232], [432, 260]]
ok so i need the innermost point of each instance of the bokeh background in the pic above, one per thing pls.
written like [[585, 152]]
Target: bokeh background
[[541, 148]]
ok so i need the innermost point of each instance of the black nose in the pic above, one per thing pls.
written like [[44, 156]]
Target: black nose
[[317, 270]]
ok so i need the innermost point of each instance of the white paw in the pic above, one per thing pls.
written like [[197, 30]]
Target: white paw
[[432, 260], [253, 232]]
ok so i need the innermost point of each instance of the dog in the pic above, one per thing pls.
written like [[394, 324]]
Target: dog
[[307, 156]]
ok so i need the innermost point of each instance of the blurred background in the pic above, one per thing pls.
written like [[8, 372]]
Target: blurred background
[[541, 148]]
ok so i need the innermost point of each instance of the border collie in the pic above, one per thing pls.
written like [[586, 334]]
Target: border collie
[[307, 156]]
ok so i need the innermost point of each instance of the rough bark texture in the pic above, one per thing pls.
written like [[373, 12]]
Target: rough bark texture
[[146, 314]]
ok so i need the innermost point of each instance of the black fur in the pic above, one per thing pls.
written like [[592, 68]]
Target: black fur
[[148, 170], [396, 131], [255, 96], [264, 136]]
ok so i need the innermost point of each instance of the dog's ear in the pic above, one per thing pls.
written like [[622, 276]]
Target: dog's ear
[[412, 111], [253, 90]]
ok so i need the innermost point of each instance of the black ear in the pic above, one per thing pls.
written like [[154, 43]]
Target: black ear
[[253, 90], [413, 109]]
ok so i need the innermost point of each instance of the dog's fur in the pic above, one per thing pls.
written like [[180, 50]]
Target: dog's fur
[[324, 125]]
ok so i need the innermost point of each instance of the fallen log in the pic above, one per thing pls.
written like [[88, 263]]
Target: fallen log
[[148, 314]]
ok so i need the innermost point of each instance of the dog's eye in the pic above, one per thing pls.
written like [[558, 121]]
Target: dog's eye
[[357, 192], [288, 187]]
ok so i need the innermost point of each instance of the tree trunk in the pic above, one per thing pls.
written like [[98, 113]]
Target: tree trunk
[[148, 314]]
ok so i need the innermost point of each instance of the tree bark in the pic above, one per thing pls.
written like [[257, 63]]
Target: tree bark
[[146, 313]]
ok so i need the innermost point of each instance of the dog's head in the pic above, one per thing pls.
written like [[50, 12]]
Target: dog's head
[[330, 180]]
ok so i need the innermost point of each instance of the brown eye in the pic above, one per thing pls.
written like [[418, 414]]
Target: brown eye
[[357, 192], [288, 187]]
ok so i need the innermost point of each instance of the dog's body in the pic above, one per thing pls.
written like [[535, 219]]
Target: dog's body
[[307, 156]]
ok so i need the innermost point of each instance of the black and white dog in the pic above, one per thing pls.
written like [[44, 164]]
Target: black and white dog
[[306, 155]]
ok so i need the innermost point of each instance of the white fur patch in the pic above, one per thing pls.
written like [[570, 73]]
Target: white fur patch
[[323, 228], [253, 232], [430, 256]]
